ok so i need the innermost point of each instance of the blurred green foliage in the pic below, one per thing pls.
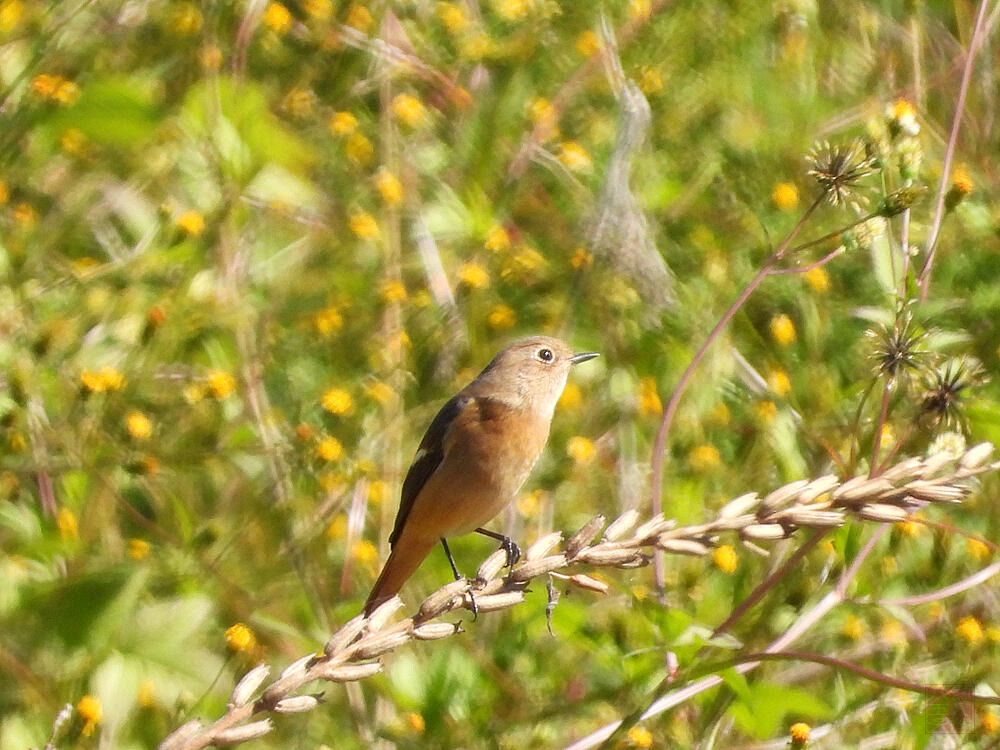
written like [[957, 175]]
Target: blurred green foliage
[[247, 250]]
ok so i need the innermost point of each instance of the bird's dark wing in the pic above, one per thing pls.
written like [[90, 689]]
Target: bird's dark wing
[[428, 458]]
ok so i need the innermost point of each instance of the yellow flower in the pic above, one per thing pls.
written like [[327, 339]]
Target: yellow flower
[[25, 214], [639, 9], [73, 142], [4, 192], [363, 225], [474, 276], [138, 549], [785, 196], [818, 279], [453, 16], [328, 321], [529, 503], [138, 425], [329, 449], [416, 722], [782, 329], [581, 258], [210, 57], [409, 110], [194, 392], [192, 223], [853, 628], [571, 397], [904, 117], [11, 13], [909, 528], [977, 549], [359, 149], [89, 708], [961, 180], [66, 523], [894, 634], [543, 115], [512, 10], [146, 696], [337, 529], [725, 558], [587, 43], [380, 392], [338, 401], [639, 737], [704, 458], [720, 414], [501, 317], [299, 103], [582, 450], [321, 10], [185, 19], [221, 383], [649, 398], [989, 722], [240, 638], [393, 291], [766, 411], [779, 383], [650, 80], [364, 552], [800, 734], [969, 629], [575, 157], [379, 491], [277, 18], [360, 18], [388, 186], [497, 239], [343, 123], [105, 379]]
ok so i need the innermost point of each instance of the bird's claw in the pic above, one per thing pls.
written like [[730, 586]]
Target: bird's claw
[[509, 546]]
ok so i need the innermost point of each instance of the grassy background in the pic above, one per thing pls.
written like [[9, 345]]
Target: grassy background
[[245, 257]]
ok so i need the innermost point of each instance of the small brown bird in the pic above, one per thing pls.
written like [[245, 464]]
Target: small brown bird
[[475, 456]]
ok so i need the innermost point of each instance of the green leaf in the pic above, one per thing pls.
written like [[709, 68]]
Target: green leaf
[[116, 111]]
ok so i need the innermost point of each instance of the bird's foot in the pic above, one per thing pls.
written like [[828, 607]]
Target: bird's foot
[[509, 546]]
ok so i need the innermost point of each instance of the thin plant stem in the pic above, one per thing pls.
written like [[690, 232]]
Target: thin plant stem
[[949, 153]]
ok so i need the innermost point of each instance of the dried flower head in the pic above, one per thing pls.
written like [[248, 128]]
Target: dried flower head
[[941, 401], [838, 168], [898, 347]]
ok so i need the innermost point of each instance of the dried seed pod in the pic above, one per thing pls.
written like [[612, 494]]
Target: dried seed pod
[[904, 470], [882, 512], [848, 485], [935, 493], [537, 568], [492, 565], [296, 667], [248, 685], [181, 735], [606, 555], [343, 637], [352, 672], [933, 464], [236, 735], [866, 490], [380, 616], [621, 525], [441, 600], [735, 523], [740, 505], [583, 537], [499, 601], [817, 487], [783, 495], [381, 643], [976, 455], [653, 526], [764, 531], [296, 704], [813, 519], [587, 583], [541, 547], [433, 631], [684, 547]]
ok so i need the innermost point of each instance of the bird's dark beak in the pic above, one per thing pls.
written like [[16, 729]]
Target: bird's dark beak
[[578, 358]]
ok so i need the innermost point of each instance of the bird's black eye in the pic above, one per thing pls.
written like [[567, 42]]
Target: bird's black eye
[[546, 355]]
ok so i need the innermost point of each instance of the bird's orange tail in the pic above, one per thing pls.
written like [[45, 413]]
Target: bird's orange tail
[[404, 559]]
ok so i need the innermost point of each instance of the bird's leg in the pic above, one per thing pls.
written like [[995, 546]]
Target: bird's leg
[[507, 544], [460, 577]]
